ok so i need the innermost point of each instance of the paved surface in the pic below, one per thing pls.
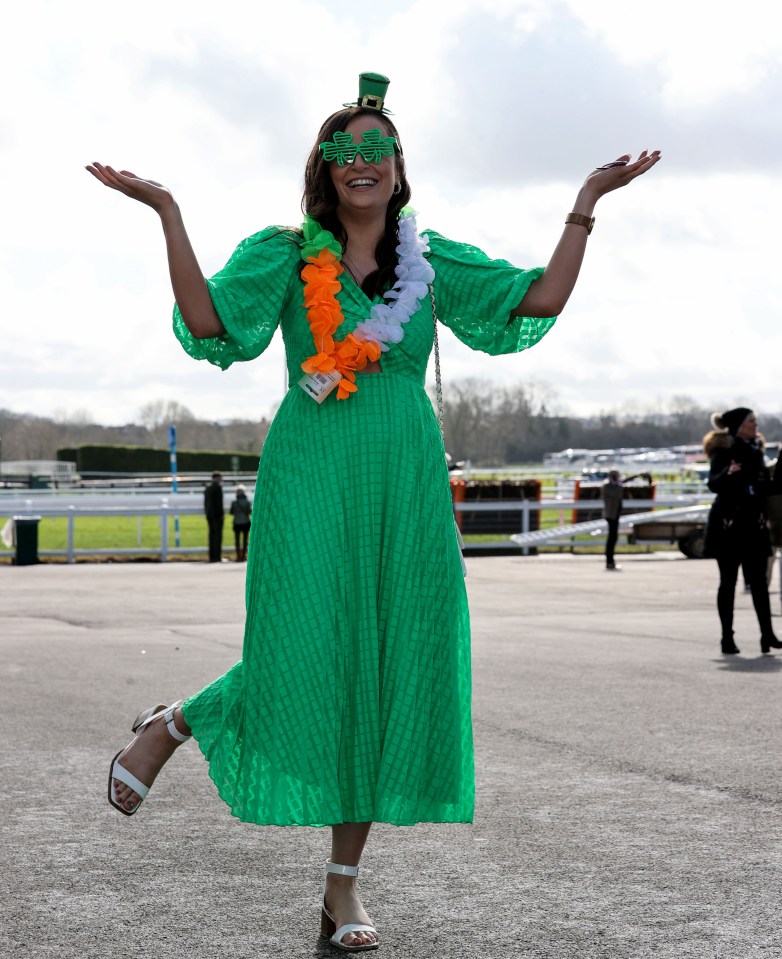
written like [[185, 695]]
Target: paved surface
[[629, 777]]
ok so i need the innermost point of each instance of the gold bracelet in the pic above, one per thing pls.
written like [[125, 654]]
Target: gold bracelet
[[580, 220]]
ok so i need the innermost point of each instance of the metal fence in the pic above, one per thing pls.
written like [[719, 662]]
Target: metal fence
[[166, 507]]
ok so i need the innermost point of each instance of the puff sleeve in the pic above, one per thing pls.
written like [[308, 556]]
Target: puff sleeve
[[249, 295], [475, 296]]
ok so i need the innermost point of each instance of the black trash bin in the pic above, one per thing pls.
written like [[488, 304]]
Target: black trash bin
[[26, 535]]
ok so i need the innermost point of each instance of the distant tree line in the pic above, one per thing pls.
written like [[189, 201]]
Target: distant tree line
[[487, 424], [27, 437], [491, 425]]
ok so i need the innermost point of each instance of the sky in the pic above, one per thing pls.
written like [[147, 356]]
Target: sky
[[503, 106]]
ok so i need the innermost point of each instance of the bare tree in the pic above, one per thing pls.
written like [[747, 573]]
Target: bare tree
[[492, 425], [78, 417], [487, 424], [159, 413]]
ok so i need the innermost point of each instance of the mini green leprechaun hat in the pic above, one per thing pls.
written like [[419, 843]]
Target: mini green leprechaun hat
[[371, 92]]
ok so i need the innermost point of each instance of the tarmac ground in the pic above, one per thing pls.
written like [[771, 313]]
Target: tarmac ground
[[629, 777]]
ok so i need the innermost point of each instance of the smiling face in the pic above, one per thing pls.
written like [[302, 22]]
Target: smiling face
[[363, 186], [749, 428]]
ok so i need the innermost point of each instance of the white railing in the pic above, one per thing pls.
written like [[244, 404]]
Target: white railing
[[37, 499], [676, 507], [162, 510], [48, 468], [627, 522], [184, 504]]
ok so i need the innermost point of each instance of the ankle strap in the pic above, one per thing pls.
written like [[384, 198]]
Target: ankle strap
[[341, 870], [168, 718]]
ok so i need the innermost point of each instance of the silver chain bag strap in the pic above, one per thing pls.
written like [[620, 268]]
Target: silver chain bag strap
[[438, 389]]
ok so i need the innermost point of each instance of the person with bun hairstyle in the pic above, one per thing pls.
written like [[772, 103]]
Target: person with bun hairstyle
[[737, 531], [241, 509], [351, 703]]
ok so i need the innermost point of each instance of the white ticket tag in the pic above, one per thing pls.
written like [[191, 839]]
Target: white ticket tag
[[319, 385]]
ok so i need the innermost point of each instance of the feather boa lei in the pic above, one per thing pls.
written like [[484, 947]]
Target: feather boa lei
[[385, 325]]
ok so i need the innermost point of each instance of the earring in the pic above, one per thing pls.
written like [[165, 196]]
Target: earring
[[398, 188]]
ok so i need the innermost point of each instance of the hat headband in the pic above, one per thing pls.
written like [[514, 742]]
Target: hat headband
[[372, 88]]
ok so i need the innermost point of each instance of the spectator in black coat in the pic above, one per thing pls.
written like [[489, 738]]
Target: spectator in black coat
[[241, 510], [737, 532], [612, 492], [213, 507], [775, 517]]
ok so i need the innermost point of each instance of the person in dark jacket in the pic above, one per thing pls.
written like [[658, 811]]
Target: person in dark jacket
[[612, 492], [737, 532], [775, 517], [241, 510], [213, 507]]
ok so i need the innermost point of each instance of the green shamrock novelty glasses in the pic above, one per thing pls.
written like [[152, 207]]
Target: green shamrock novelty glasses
[[373, 147]]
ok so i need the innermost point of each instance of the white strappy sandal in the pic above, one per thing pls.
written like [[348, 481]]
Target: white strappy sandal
[[329, 928], [121, 774]]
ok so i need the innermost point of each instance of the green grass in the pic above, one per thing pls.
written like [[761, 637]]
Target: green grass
[[122, 532]]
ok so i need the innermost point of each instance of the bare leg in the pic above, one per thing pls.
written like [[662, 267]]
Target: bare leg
[[347, 844], [147, 755]]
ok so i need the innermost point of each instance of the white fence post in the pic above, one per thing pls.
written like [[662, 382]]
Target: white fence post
[[164, 530], [71, 518], [525, 524]]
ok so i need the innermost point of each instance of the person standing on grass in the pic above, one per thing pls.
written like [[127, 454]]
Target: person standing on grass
[[215, 512], [241, 510]]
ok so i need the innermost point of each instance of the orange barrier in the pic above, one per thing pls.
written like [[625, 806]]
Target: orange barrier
[[501, 521]]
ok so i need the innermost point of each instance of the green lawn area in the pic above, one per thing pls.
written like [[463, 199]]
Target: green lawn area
[[122, 532]]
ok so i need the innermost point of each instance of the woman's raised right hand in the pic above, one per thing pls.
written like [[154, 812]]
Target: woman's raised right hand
[[149, 192]]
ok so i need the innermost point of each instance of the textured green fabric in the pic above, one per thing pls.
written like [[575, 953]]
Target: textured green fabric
[[352, 699]]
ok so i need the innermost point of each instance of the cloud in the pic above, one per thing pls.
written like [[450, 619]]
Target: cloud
[[702, 54], [534, 103], [503, 107]]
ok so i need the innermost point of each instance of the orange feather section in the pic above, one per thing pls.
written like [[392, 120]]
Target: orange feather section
[[324, 315]]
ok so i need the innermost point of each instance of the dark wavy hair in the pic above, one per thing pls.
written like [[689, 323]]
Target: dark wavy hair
[[320, 198]]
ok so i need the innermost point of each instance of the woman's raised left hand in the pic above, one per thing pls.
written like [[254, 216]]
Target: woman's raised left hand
[[614, 175]]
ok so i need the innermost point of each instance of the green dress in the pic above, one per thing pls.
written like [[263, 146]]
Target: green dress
[[351, 702]]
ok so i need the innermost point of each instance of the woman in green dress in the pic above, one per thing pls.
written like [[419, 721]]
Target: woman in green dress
[[351, 703]]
